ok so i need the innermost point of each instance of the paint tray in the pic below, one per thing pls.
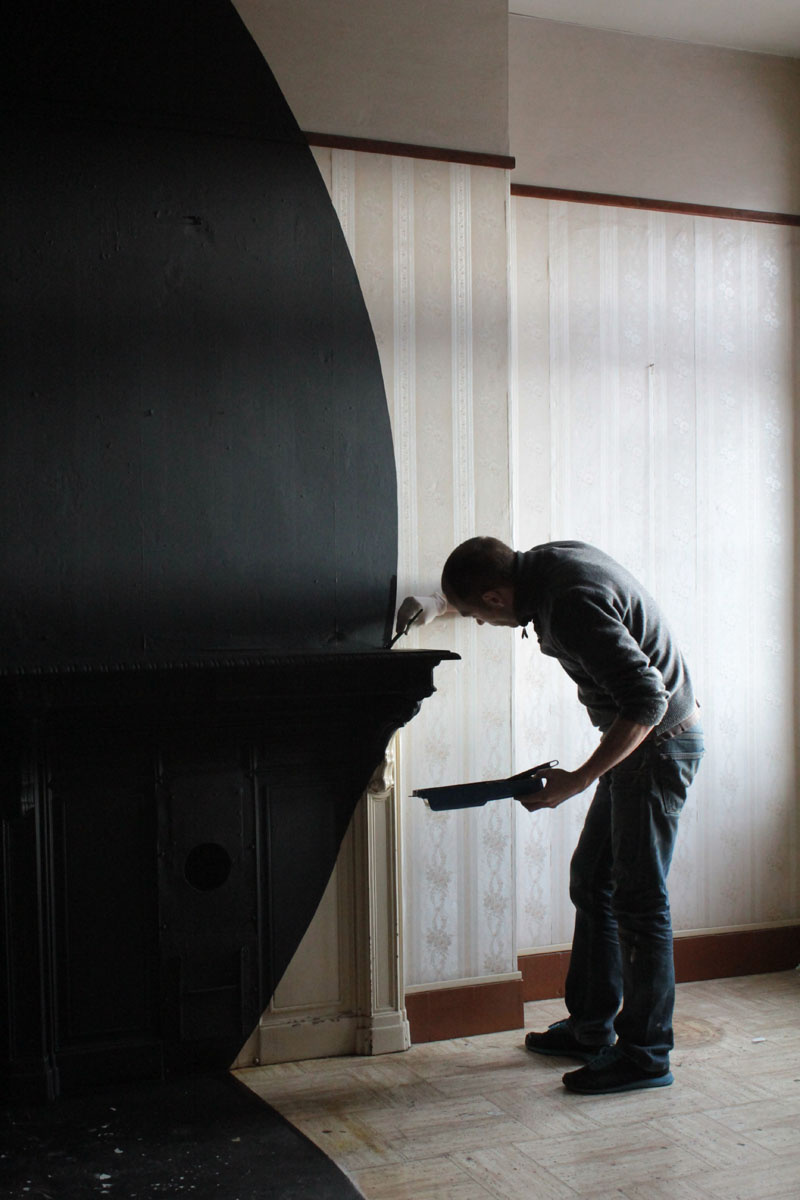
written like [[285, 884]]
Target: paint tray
[[475, 795]]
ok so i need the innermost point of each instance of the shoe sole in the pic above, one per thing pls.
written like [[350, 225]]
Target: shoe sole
[[564, 1054], [634, 1086], [580, 1055]]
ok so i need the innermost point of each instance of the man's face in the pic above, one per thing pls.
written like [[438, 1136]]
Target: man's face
[[495, 607]]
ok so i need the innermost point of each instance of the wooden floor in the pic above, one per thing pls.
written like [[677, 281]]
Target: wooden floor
[[479, 1118]]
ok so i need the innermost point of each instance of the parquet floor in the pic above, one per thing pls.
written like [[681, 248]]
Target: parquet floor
[[483, 1119]]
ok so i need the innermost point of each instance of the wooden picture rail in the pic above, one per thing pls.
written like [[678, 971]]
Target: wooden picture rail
[[335, 141]]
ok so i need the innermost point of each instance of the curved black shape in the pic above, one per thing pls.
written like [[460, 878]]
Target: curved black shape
[[196, 448], [209, 1135], [197, 511]]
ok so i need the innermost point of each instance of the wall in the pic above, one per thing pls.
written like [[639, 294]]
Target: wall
[[653, 416], [406, 72], [191, 380], [430, 245], [609, 112], [650, 413]]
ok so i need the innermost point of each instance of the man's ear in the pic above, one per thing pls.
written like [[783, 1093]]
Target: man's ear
[[493, 599]]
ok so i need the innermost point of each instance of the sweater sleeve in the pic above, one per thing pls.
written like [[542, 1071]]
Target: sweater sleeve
[[607, 659]]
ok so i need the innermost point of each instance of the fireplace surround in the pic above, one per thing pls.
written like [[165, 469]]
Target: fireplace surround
[[168, 829]]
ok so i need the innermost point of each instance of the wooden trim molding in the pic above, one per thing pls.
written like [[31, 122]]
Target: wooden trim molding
[[472, 158], [505, 162], [543, 974], [443, 1013], [716, 955], [723, 954], [672, 206], [489, 1007]]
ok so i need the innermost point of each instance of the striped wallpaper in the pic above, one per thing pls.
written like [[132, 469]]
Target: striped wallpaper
[[652, 382], [648, 409]]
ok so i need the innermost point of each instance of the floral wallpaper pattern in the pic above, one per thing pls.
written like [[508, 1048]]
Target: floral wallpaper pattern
[[652, 379], [560, 370]]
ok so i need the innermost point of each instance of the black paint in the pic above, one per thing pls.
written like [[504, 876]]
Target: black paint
[[207, 1137], [198, 534], [168, 829], [196, 447]]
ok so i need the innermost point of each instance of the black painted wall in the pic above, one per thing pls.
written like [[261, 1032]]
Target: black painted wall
[[195, 446]]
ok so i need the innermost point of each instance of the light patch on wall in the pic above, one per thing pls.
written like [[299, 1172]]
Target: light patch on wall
[[653, 402]]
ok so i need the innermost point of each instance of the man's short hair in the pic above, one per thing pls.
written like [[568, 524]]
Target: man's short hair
[[475, 567]]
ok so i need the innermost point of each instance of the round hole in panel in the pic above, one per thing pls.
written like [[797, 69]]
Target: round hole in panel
[[207, 866]]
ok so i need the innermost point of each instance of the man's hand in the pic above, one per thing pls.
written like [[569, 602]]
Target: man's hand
[[620, 740], [430, 606], [559, 786]]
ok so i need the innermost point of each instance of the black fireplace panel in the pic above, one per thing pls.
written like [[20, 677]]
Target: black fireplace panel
[[209, 921], [104, 904], [168, 832], [101, 919], [176, 878], [301, 817]]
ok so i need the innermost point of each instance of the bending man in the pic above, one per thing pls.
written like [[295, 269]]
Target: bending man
[[611, 638]]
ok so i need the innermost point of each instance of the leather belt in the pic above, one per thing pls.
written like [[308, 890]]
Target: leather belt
[[681, 727]]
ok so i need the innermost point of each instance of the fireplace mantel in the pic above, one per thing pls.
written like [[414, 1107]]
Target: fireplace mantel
[[169, 826]]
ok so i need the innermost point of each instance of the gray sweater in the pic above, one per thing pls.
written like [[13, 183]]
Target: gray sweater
[[607, 632]]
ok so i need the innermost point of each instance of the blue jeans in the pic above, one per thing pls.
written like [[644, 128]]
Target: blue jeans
[[622, 946]]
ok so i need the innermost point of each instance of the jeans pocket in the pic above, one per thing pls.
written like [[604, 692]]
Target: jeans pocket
[[679, 759]]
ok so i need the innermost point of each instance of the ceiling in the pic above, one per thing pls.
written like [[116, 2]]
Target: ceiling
[[767, 26]]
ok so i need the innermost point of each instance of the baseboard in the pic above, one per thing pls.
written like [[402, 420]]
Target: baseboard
[[728, 952], [450, 1012], [486, 1006], [543, 974], [715, 954]]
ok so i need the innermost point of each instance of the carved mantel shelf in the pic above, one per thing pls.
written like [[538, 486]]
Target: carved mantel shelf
[[398, 670]]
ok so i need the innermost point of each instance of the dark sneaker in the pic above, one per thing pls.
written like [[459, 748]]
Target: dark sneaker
[[611, 1071], [559, 1040]]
